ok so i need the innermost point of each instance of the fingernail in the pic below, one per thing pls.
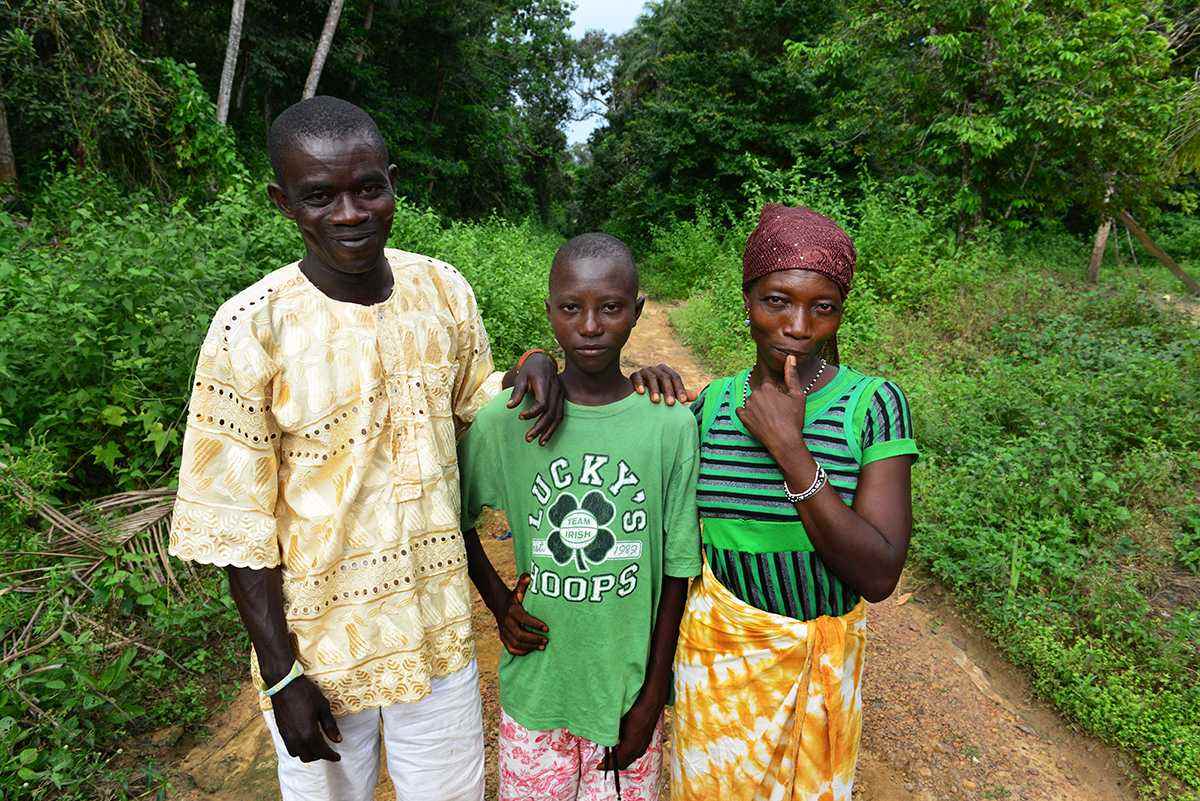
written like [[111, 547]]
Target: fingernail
[[654, 397], [671, 400]]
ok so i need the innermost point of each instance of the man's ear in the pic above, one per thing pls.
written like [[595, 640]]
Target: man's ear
[[637, 308], [280, 199], [547, 304], [393, 176]]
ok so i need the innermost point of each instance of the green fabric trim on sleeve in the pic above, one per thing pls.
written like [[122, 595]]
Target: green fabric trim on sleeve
[[890, 448], [756, 536], [855, 423], [715, 393]]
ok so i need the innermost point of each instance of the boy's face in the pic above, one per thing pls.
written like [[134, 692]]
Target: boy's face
[[339, 192], [593, 306]]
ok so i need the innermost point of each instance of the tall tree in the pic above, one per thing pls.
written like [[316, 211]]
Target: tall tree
[[231, 59], [8, 164], [323, 45], [700, 88], [1001, 109]]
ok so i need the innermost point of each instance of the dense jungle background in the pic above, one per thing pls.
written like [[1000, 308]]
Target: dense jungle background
[[977, 150]]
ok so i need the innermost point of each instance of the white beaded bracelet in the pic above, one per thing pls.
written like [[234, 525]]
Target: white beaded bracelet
[[818, 482], [296, 672]]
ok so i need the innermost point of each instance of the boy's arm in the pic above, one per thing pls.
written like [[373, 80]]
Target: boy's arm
[[637, 727], [516, 626]]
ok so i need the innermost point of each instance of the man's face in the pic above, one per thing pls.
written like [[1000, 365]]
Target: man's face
[[339, 192]]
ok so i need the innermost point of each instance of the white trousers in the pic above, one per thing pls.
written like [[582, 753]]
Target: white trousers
[[434, 749]]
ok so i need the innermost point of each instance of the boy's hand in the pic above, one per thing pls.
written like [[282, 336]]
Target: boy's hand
[[637, 730], [515, 623], [663, 383]]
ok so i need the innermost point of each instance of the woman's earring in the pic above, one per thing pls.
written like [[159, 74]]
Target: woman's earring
[[746, 322]]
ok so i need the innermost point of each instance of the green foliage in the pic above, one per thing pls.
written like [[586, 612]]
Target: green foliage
[[77, 91], [1059, 431], [468, 95], [120, 654], [700, 88], [1006, 110], [107, 297]]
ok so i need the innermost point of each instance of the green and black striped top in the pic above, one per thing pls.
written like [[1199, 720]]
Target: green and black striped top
[[753, 538]]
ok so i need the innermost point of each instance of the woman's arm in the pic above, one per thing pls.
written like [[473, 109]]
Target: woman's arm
[[865, 545]]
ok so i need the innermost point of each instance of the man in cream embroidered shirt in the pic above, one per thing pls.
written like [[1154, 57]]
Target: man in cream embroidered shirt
[[321, 438]]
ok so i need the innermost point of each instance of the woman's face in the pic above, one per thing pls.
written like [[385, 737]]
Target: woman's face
[[792, 313]]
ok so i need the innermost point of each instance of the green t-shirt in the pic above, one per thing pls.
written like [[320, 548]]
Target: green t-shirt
[[598, 517]]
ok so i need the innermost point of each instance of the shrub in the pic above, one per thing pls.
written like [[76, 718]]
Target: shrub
[[108, 297], [1059, 431]]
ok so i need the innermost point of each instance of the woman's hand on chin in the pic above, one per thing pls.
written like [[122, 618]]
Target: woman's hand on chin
[[775, 416]]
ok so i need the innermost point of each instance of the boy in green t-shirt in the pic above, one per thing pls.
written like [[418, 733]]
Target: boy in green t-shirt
[[605, 535]]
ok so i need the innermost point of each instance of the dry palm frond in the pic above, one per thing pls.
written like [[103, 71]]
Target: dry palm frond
[[1184, 138], [83, 536]]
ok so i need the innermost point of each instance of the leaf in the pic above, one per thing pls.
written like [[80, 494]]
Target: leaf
[[107, 455], [114, 416], [28, 756]]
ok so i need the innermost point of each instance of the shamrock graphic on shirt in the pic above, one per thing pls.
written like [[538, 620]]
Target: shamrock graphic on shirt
[[580, 529]]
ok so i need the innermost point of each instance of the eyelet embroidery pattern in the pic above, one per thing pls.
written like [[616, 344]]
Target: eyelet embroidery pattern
[[224, 537], [376, 575], [352, 484], [402, 678]]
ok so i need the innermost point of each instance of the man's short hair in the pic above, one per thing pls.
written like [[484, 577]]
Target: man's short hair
[[320, 117]]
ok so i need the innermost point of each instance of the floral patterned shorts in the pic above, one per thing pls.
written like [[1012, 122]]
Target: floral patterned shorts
[[556, 765]]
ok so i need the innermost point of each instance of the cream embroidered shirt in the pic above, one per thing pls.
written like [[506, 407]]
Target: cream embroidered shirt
[[321, 437]]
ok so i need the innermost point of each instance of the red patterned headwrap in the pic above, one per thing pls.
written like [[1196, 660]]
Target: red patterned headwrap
[[798, 239]]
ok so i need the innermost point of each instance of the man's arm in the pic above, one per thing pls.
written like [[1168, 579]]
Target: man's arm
[[302, 713], [637, 727], [538, 375]]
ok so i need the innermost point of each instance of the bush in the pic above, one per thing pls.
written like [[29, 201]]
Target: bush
[[106, 299], [1059, 431]]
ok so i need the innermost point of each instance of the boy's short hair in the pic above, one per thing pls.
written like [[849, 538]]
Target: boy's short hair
[[595, 245], [320, 117]]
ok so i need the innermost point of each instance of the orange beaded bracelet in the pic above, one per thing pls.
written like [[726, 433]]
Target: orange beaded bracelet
[[530, 352]]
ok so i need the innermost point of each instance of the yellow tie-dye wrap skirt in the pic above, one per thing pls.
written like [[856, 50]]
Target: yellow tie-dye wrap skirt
[[767, 708]]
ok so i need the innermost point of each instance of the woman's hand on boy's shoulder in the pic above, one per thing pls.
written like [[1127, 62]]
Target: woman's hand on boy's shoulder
[[519, 629], [663, 383]]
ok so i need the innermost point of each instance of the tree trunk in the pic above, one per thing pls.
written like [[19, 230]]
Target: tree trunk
[[1098, 250], [231, 56], [241, 92], [1158, 252], [8, 164], [323, 44], [362, 50]]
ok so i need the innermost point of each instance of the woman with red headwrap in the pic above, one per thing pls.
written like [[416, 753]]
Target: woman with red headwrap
[[804, 499]]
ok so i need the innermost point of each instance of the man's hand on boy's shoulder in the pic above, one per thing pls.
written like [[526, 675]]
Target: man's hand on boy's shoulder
[[519, 629], [663, 383], [538, 376]]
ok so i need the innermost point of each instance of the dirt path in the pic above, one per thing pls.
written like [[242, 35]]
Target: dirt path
[[947, 717]]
